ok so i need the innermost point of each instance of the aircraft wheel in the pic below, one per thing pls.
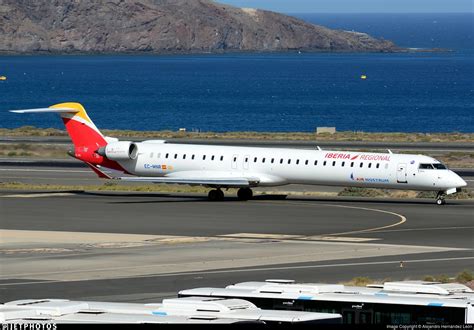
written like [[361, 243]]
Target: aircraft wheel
[[215, 195], [244, 194], [440, 201]]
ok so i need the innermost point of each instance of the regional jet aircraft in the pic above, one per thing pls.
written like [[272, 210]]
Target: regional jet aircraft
[[222, 167]]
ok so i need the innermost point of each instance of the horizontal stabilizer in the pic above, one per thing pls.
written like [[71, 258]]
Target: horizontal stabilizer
[[218, 182], [46, 110]]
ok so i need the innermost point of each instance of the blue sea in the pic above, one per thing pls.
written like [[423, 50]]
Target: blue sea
[[414, 92]]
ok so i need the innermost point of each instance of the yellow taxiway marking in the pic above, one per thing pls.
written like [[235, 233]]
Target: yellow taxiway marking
[[402, 218]]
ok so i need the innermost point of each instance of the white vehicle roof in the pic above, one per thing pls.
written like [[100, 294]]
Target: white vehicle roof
[[420, 293], [179, 310]]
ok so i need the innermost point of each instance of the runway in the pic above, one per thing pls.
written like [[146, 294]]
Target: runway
[[143, 247]]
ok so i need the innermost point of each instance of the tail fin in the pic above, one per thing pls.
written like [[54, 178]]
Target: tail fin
[[85, 136], [79, 126]]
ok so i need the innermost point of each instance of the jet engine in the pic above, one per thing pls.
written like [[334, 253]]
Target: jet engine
[[121, 150]]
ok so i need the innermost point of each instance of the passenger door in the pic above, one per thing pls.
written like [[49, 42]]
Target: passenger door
[[402, 173]]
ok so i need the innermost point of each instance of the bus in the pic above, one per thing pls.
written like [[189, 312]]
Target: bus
[[402, 302]]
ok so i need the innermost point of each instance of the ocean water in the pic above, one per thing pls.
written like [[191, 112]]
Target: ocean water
[[416, 92]]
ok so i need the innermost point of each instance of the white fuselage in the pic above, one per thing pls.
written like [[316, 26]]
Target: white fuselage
[[281, 166]]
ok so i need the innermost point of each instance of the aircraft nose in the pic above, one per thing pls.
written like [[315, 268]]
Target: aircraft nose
[[459, 181]]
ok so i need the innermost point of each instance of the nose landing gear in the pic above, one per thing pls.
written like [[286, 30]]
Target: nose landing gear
[[440, 198]]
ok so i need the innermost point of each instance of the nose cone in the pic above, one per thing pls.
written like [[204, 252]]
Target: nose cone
[[462, 183], [459, 182]]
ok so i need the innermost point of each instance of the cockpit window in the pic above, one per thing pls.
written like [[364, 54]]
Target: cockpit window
[[439, 166], [425, 167], [436, 166]]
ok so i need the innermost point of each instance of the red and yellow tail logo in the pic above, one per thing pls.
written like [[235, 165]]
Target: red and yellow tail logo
[[80, 127]]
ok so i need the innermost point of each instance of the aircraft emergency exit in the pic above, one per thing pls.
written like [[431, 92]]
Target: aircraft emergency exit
[[221, 167]]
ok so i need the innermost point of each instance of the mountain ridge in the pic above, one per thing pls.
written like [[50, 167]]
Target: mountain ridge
[[164, 26]]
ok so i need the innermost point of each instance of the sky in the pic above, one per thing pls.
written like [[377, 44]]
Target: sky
[[358, 6]]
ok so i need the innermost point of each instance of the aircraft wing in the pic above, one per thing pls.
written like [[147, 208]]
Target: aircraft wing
[[227, 182]]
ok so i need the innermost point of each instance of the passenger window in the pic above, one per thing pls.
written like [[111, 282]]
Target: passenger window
[[378, 165], [246, 159], [324, 163], [184, 156], [158, 155], [222, 158], [370, 165], [342, 164], [334, 163], [306, 162], [315, 162], [235, 159], [167, 155], [175, 156], [281, 161], [352, 164], [212, 158], [255, 160], [192, 157], [273, 160], [361, 165], [263, 160], [289, 161], [203, 157], [297, 161]]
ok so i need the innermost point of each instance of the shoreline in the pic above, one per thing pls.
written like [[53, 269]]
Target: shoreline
[[347, 136], [302, 51]]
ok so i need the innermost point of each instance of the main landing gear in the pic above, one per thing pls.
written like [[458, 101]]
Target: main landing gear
[[440, 198], [216, 195], [243, 194]]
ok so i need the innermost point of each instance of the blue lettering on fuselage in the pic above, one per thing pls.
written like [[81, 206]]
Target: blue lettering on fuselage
[[375, 180], [153, 166]]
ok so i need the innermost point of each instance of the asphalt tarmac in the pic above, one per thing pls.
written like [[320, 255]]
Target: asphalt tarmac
[[143, 247]]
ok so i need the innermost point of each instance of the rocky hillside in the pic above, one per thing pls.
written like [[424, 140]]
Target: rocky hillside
[[163, 26]]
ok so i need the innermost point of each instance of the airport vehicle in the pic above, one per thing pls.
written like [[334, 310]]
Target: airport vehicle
[[404, 302], [178, 310], [223, 167]]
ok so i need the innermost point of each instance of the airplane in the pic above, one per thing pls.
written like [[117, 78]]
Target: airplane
[[223, 167]]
